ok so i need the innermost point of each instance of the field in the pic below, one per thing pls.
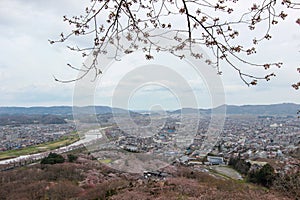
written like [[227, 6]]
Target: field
[[105, 161], [226, 172]]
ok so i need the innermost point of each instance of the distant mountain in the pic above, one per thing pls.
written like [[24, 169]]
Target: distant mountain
[[186, 111], [273, 109], [54, 110], [97, 110], [15, 119], [59, 110]]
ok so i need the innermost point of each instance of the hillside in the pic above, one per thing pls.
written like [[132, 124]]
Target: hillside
[[88, 179]]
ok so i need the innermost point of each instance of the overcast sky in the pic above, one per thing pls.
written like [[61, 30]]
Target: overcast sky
[[28, 63]]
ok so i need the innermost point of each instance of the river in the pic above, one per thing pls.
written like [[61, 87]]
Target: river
[[89, 136]]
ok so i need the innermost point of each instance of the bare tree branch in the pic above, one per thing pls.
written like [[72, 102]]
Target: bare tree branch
[[206, 25]]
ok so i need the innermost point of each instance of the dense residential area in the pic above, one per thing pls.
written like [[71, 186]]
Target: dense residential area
[[25, 135], [159, 150]]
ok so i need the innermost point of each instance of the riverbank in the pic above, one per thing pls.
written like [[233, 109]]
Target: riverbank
[[64, 141], [26, 156]]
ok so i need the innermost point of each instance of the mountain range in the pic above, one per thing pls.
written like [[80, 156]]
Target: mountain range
[[273, 109], [59, 110]]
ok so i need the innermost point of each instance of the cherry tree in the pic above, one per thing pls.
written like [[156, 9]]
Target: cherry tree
[[214, 25]]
